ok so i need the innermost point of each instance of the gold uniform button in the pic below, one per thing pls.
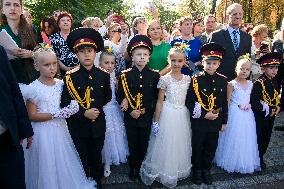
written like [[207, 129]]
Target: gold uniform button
[[90, 77], [141, 86], [141, 77], [213, 81], [204, 89], [78, 87], [214, 89]]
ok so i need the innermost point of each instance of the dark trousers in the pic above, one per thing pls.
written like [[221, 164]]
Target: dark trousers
[[138, 138], [90, 152], [263, 131], [204, 145], [12, 167]]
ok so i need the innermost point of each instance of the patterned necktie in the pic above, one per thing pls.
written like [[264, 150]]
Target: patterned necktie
[[235, 40]]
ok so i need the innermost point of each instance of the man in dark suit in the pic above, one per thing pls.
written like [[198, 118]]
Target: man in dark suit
[[14, 127], [235, 41]]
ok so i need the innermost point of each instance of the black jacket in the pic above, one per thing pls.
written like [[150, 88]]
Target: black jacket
[[208, 84], [99, 82], [13, 111], [144, 82]]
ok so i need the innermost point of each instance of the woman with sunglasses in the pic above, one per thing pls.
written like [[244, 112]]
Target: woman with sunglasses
[[117, 42]]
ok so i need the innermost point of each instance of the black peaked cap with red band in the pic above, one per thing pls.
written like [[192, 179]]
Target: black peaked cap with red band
[[139, 41], [212, 51], [83, 38], [273, 58]]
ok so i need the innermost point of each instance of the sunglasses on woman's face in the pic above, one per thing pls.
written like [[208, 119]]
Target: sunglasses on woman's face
[[117, 30], [56, 14]]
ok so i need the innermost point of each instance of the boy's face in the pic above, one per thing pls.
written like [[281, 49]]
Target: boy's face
[[270, 71], [86, 56], [210, 66], [140, 56]]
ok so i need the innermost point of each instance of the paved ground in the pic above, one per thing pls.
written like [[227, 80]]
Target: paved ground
[[271, 178]]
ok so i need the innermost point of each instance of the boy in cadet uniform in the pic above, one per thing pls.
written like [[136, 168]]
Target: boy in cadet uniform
[[139, 86], [207, 102], [90, 87], [265, 101]]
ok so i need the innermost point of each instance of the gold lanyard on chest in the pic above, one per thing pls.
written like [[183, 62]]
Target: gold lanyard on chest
[[267, 98], [137, 99], [210, 98], [86, 101]]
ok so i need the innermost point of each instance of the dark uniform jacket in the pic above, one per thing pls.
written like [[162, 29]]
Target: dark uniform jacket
[[144, 82], [13, 111], [99, 82], [257, 96], [208, 84]]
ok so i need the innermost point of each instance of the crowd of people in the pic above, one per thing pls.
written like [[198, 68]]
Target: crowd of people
[[170, 102]]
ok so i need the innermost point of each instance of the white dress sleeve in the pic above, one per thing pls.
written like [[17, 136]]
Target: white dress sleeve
[[163, 83], [29, 92]]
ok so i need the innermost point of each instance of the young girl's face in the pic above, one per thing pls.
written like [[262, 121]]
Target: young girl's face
[[12, 9], [243, 70], [107, 63], [47, 65], [177, 60]]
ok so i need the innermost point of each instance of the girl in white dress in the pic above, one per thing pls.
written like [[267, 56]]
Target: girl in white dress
[[168, 157], [115, 150], [237, 146], [52, 162]]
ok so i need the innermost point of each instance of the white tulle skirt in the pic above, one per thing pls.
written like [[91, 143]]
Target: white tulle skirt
[[53, 162], [168, 157], [237, 146], [115, 150]]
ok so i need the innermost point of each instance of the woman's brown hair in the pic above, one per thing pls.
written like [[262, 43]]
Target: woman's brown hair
[[25, 32]]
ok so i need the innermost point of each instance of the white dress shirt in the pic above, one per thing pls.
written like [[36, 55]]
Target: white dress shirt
[[230, 29]]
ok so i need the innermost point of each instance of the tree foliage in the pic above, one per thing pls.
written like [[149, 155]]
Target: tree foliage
[[79, 9], [257, 11]]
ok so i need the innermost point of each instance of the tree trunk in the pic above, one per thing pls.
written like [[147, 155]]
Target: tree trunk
[[212, 11]]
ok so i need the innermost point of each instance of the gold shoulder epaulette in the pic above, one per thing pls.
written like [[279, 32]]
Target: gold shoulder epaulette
[[127, 70], [221, 75], [198, 75], [104, 70], [154, 70], [73, 70], [260, 80]]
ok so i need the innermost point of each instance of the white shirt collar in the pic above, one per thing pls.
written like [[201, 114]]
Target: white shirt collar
[[230, 29]]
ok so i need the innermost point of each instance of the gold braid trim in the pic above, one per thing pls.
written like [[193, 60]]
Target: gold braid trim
[[84, 103], [210, 98], [137, 99], [267, 98]]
